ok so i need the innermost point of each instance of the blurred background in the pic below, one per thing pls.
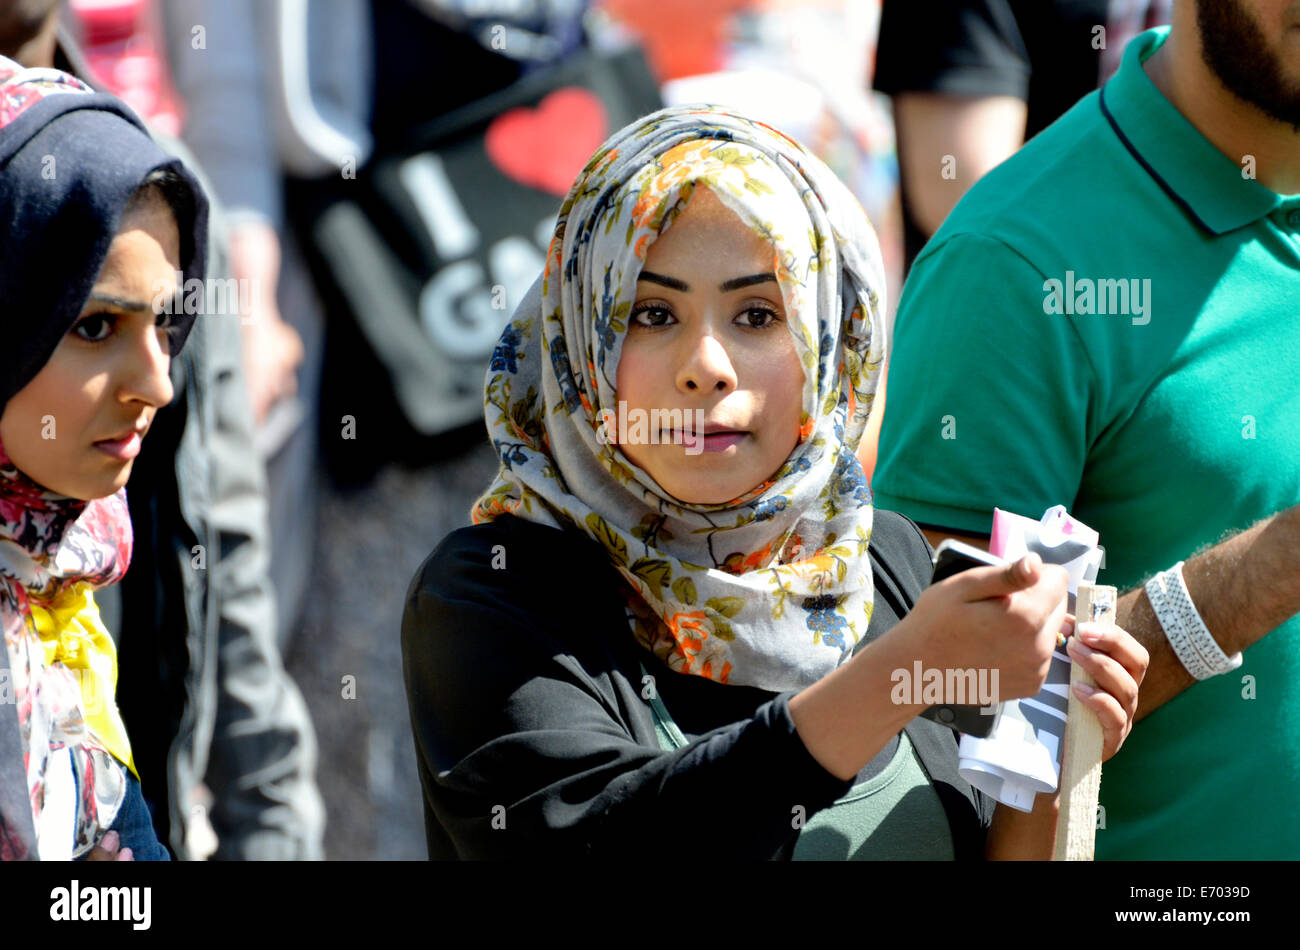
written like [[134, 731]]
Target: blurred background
[[388, 174]]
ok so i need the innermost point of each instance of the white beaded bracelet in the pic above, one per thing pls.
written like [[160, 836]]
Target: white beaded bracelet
[[1190, 639], [1179, 638], [1202, 640]]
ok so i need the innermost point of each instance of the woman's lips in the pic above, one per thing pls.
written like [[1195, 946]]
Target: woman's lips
[[121, 449], [711, 442], [722, 441]]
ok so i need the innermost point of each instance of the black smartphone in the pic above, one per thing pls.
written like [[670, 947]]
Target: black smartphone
[[953, 557]]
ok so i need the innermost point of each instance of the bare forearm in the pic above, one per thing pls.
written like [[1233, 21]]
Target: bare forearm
[[948, 142], [846, 717], [1016, 836], [1243, 588]]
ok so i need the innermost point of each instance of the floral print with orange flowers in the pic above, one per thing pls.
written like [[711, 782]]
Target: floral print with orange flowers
[[772, 588]]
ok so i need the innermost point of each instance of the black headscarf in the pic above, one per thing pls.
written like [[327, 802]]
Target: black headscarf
[[70, 159]]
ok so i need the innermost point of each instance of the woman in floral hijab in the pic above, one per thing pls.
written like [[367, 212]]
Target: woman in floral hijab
[[801, 616], [742, 661]]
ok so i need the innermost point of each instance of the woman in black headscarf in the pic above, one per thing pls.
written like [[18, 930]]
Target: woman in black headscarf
[[101, 229]]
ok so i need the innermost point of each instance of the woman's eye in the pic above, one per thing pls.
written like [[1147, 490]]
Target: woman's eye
[[757, 317], [659, 316], [164, 320], [94, 328]]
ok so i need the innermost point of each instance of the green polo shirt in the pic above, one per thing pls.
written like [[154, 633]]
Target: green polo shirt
[[1110, 320]]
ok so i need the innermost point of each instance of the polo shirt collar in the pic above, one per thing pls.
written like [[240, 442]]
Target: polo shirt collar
[[1195, 174]]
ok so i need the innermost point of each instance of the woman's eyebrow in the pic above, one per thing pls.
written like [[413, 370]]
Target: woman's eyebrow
[[737, 282], [120, 303], [670, 282], [727, 285]]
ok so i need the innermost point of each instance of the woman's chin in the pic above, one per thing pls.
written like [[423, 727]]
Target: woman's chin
[[699, 479], [118, 481], [692, 492], [99, 485]]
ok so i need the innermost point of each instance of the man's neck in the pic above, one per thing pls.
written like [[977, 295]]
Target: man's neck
[[1235, 127]]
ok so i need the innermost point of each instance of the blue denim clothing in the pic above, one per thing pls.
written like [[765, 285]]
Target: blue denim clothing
[[134, 826]]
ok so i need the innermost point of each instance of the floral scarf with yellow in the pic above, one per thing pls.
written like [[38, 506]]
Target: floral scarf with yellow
[[772, 588], [54, 551]]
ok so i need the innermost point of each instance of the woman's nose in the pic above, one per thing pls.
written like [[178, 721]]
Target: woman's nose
[[707, 366], [146, 373]]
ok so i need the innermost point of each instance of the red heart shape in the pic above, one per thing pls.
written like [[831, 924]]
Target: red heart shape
[[546, 147]]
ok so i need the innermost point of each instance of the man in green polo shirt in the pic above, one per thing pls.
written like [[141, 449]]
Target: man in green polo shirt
[[1110, 320]]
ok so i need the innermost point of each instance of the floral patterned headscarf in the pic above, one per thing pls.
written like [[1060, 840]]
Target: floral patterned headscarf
[[772, 588]]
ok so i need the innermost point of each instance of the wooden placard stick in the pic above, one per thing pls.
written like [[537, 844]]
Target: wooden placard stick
[[1076, 823]]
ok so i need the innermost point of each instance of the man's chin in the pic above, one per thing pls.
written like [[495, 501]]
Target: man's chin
[[1259, 71]]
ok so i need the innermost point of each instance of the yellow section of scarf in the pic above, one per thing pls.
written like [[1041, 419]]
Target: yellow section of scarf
[[72, 633]]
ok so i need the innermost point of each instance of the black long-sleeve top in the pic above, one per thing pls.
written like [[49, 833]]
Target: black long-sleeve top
[[534, 732]]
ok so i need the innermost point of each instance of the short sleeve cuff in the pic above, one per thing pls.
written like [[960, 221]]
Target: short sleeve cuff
[[960, 81]]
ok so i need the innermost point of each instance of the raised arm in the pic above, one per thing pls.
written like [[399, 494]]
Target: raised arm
[[1002, 618]]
